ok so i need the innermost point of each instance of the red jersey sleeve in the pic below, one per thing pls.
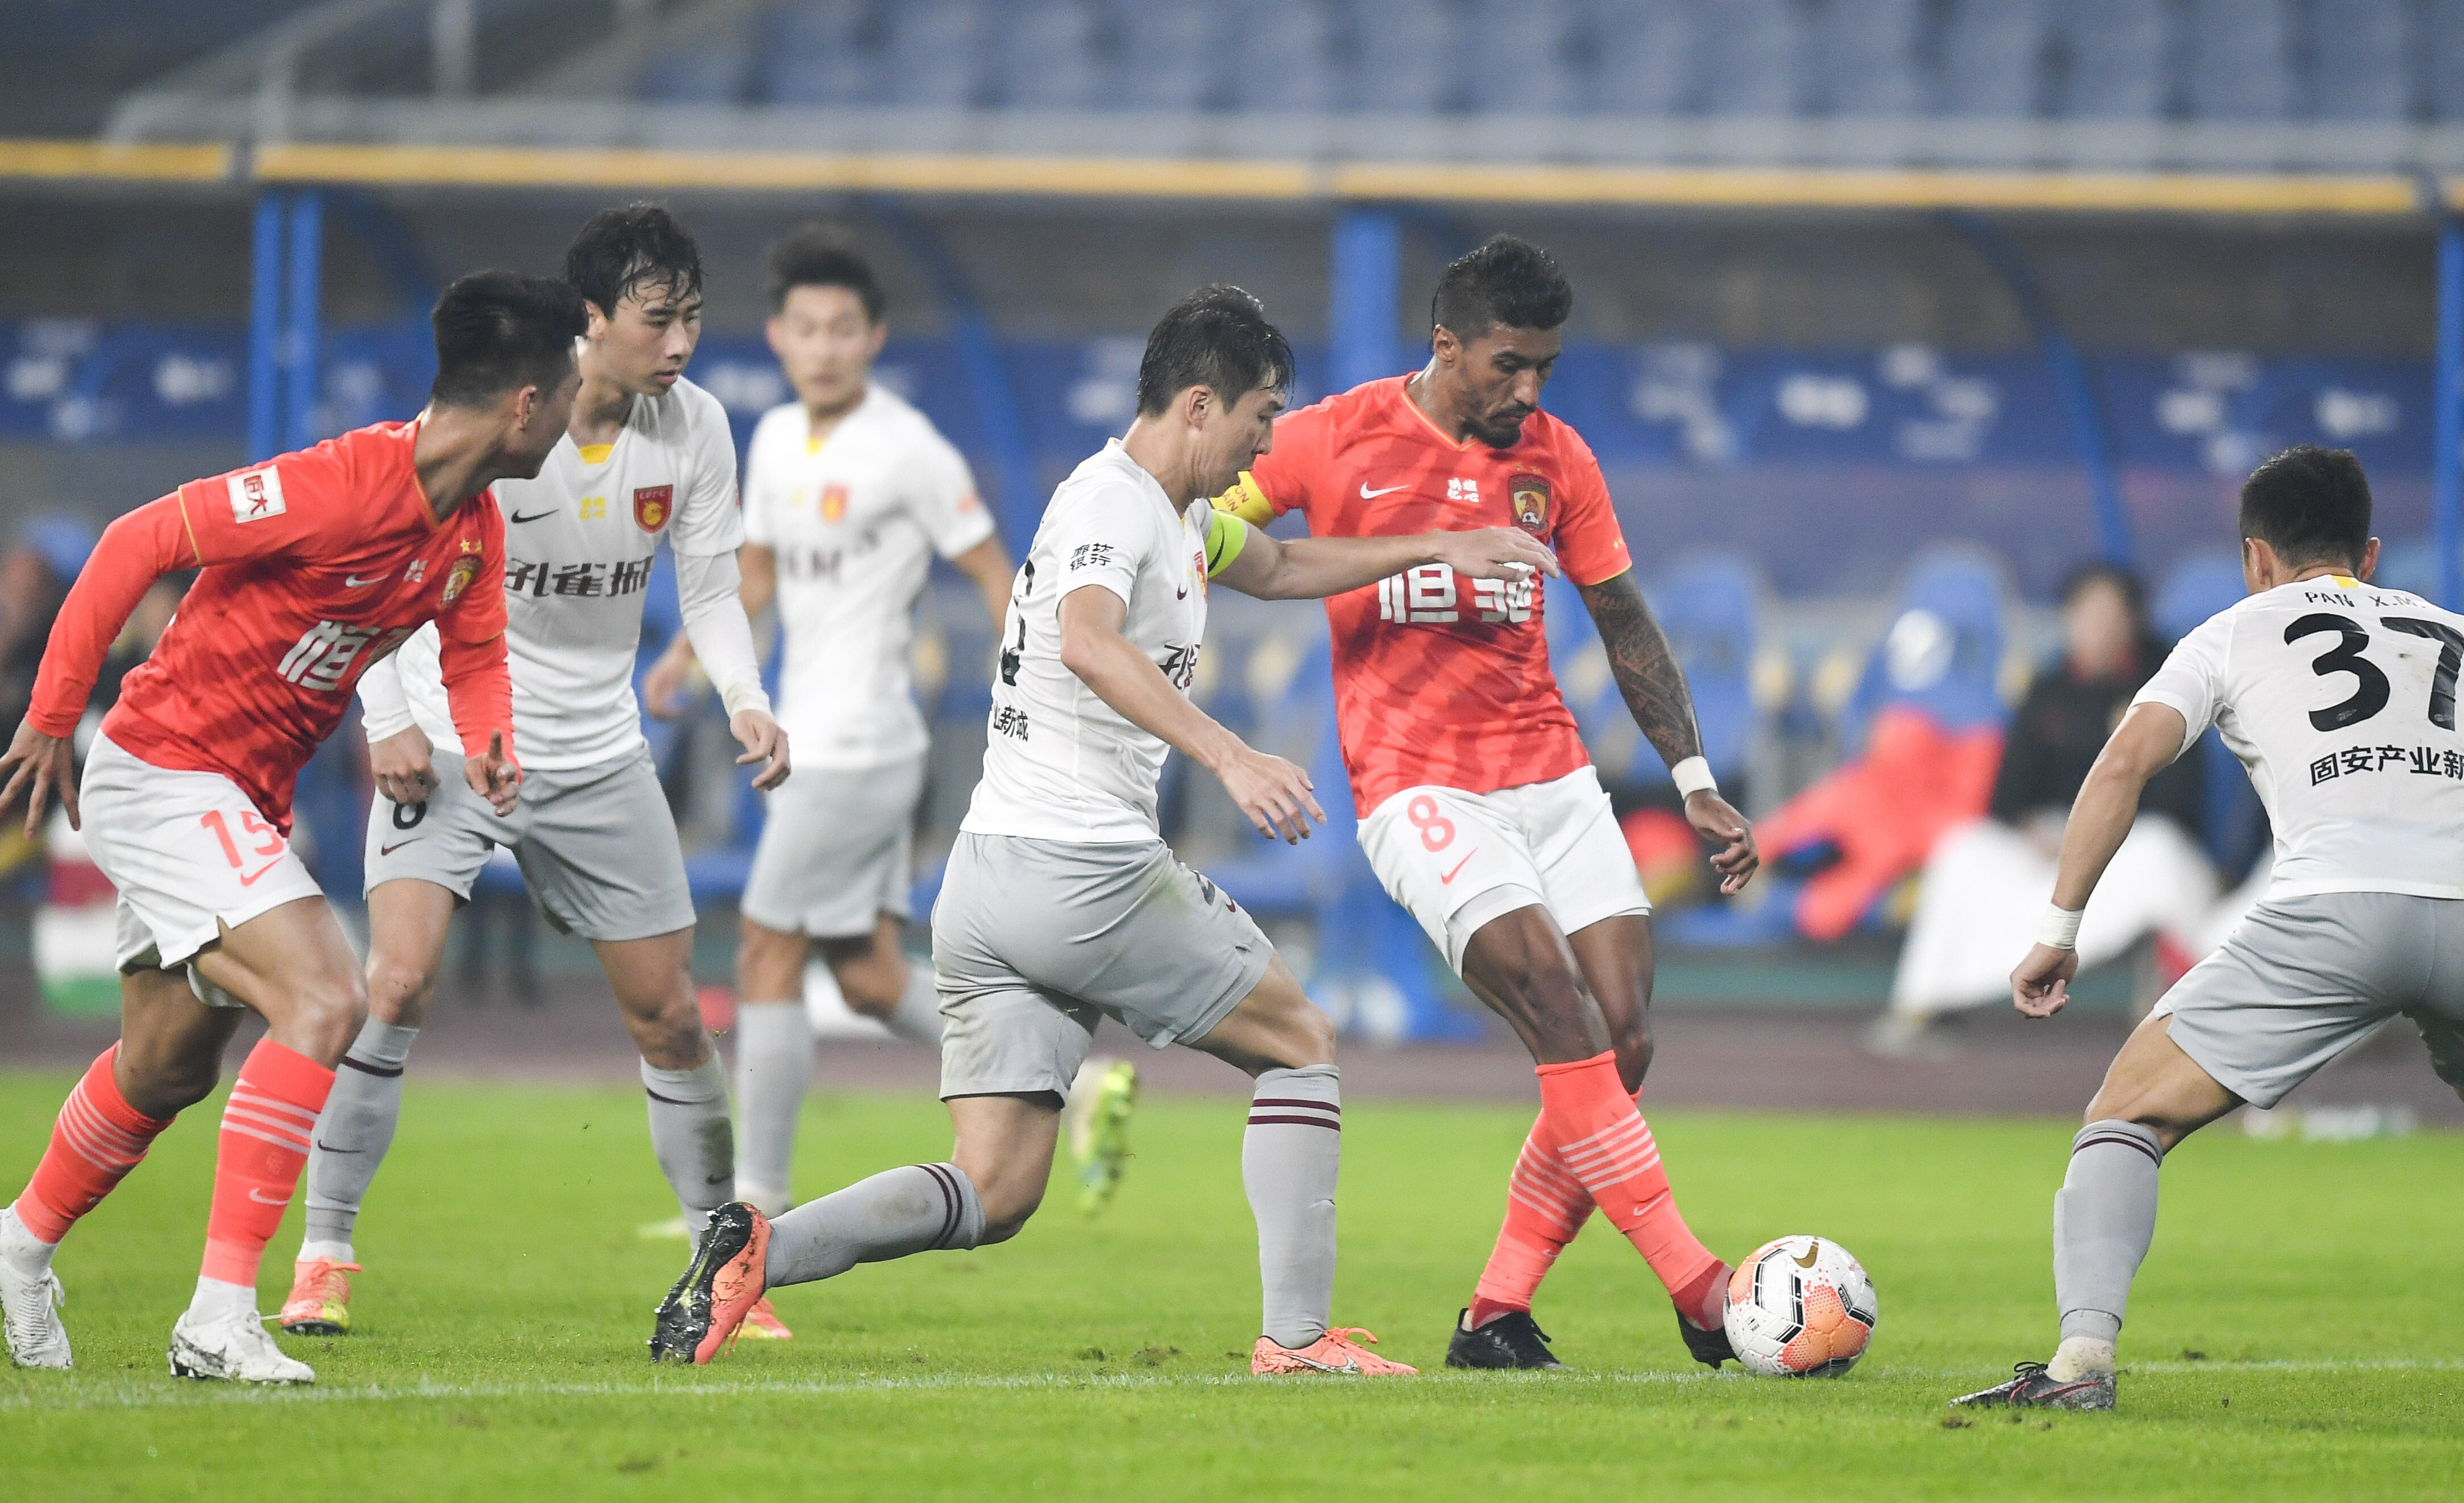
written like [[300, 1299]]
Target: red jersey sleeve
[[1590, 542], [471, 645], [135, 551], [266, 510]]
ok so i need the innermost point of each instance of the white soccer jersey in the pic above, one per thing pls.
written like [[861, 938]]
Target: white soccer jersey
[[2340, 698], [1059, 763], [579, 542], [854, 520]]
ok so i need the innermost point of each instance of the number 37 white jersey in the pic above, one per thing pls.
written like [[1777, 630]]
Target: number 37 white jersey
[[2340, 698]]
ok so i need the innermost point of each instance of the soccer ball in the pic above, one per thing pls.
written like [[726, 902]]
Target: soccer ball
[[1800, 1307]]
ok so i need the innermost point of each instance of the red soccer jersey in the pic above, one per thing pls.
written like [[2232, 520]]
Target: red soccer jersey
[[315, 564], [1439, 679]]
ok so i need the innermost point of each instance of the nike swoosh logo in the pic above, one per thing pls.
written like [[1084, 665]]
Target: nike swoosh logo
[[1813, 1254], [264, 1200], [388, 850], [1184, 593], [1449, 879], [517, 518], [250, 881], [328, 1147], [718, 1179], [1367, 494], [352, 581]]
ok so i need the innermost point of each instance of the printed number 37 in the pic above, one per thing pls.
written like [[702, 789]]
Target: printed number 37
[[2370, 688]]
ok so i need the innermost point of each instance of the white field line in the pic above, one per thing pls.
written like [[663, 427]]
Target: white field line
[[125, 1395]]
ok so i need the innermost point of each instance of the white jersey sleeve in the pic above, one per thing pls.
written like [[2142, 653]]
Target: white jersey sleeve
[[941, 498], [2338, 698], [767, 473], [706, 520]]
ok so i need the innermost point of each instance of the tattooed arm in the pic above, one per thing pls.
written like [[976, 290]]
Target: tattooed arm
[[1654, 687]]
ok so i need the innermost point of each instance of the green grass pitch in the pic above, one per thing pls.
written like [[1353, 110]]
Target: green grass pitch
[[499, 1349]]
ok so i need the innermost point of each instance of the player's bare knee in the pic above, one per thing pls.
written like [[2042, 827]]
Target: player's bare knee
[[400, 988], [1311, 1037], [164, 1082], [871, 988], [1634, 1050]]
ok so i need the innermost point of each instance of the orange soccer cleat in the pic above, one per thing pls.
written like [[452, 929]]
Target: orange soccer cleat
[[762, 1323], [320, 1299], [719, 1289], [1335, 1352]]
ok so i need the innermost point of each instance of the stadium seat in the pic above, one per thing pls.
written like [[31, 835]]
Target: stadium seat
[[1943, 653], [1167, 55], [1519, 58], [1753, 56], [2116, 51], [2360, 60], [2194, 589], [1408, 59], [1711, 608], [2442, 41], [819, 53], [1864, 58], [1643, 55], [1287, 55], [1993, 58], [1048, 56], [930, 54], [2238, 60]]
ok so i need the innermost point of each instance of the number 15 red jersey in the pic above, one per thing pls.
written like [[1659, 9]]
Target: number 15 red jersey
[[1439, 679]]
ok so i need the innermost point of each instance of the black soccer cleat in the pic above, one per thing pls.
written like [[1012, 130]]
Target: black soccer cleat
[[1708, 1347], [722, 1284], [2031, 1387], [1513, 1340]]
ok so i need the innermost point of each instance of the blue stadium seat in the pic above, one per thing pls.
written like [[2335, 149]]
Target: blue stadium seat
[[2116, 51], [1710, 606], [1519, 58], [2443, 21], [1943, 653], [1643, 55], [1993, 58], [821, 53], [2238, 63], [1864, 58], [2361, 66], [930, 54], [1167, 55], [1287, 51], [2194, 589], [1046, 59], [1408, 59], [1753, 56]]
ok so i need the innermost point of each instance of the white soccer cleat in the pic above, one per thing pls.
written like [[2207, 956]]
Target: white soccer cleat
[[234, 1348], [30, 1312]]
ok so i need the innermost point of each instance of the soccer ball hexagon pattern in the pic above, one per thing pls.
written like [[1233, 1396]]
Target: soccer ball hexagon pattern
[[1800, 1307]]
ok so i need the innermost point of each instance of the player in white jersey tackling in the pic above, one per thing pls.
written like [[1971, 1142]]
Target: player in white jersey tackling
[[849, 494], [1063, 904], [648, 454], [2339, 699]]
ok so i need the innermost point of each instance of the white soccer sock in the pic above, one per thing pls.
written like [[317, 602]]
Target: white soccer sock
[[353, 1133], [690, 1132], [918, 1018], [894, 1214], [2104, 1217], [2080, 1357], [1289, 1158], [774, 1066], [339, 1252], [25, 1252], [214, 1298]]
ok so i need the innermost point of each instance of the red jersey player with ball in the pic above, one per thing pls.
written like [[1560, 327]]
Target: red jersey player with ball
[[313, 565], [1479, 806]]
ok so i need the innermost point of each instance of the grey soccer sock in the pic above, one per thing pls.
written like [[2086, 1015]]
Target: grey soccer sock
[[692, 1135], [354, 1130], [1289, 1160], [916, 1208], [918, 1018], [2104, 1217], [774, 1065]]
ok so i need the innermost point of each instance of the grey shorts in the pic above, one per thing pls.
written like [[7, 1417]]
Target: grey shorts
[[597, 845], [2303, 979], [1033, 940], [837, 850]]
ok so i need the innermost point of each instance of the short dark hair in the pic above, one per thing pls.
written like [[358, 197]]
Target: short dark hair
[[1217, 337], [1507, 281], [500, 331], [815, 255], [619, 251], [2134, 591], [2311, 505]]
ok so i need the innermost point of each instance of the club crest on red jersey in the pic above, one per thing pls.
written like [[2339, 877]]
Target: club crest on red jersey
[[256, 494], [652, 505], [465, 569], [1530, 497]]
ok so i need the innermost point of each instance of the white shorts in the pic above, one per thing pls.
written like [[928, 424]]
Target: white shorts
[[1457, 859], [837, 851], [190, 853]]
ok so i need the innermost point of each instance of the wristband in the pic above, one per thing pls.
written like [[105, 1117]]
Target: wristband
[[1692, 776], [2059, 929], [740, 697]]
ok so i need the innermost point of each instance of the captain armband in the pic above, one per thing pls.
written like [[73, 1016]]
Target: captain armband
[[1246, 501]]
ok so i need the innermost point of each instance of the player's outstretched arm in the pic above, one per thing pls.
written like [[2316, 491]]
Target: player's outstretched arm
[[664, 686], [709, 590], [1654, 687], [2143, 745], [1273, 792], [1314, 568]]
